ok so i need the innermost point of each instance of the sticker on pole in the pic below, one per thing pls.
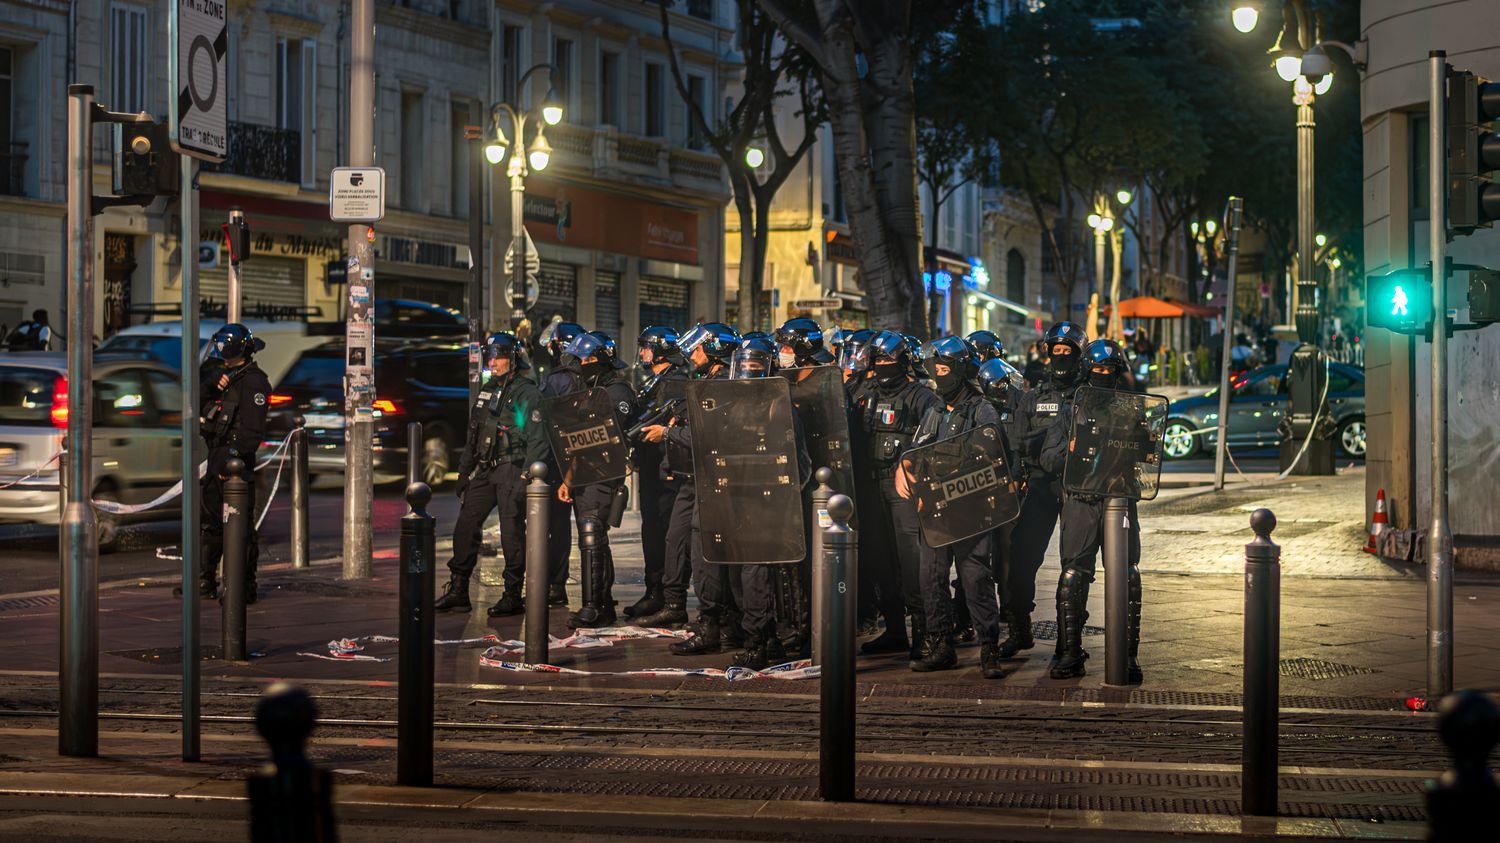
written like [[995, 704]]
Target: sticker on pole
[[356, 194], [199, 118]]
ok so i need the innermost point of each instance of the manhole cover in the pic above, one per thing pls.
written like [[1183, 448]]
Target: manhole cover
[[166, 655], [1048, 630], [41, 601], [1319, 669]]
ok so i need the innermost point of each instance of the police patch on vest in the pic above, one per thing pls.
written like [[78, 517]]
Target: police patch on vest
[[260, 399], [1047, 408], [972, 483], [885, 414], [623, 407], [586, 438], [536, 416]]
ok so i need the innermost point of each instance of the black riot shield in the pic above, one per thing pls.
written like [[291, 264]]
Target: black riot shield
[[962, 486], [1114, 449], [586, 438], [749, 494], [823, 407]]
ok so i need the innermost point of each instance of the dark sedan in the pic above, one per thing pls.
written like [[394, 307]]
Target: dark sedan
[[1258, 400]]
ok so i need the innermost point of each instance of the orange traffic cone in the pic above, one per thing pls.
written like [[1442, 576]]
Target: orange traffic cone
[[1378, 523]]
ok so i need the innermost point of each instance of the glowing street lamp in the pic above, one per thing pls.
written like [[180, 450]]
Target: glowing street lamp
[[1246, 15]]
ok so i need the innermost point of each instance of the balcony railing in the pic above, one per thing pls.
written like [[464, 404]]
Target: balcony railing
[[262, 152], [13, 169]]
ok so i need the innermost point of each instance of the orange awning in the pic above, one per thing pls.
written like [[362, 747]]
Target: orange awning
[[1148, 307]]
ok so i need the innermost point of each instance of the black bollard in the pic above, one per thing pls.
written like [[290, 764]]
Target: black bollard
[[416, 677], [236, 537], [291, 801], [538, 498], [413, 452], [1259, 756], [1116, 552], [1461, 804], [820, 521], [836, 691], [301, 531]]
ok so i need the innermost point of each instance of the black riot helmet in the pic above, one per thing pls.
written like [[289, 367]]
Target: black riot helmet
[[1064, 369], [504, 345], [961, 360], [805, 337], [562, 334], [661, 341], [1106, 364], [833, 340], [854, 355], [595, 349], [717, 340], [987, 343], [755, 358], [889, 346], [234, 341], [997, 377]]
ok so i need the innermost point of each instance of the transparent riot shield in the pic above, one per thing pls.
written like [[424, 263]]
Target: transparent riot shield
[[822, 405], [749, 494], [962, 486], [586, 438], [1114, 450]]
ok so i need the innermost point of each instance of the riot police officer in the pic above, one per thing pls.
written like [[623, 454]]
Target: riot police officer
[[708, 348], [660, 357], [954, 365], [988, 345], [857, 373], [799, 342], [559, 514], [887, 415], [1082, 536], [1046, 419], [233, 416], [1004, 387], [505, 437], [590, 361]]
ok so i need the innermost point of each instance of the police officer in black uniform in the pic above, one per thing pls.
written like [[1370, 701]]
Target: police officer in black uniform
[[799, 342], [1082, 536], [660, 357], [887, 415], [559, 514], [857, 373], [954, 364], [1005, 388], [1045, 414], [233, 417], [505, 437]]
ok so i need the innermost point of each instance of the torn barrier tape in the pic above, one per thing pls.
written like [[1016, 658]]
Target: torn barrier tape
[[130, 509], [350, 649], [39, 469], [801, 669]]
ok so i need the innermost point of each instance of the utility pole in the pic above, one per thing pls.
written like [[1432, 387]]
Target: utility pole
[[359, 380], [1440, 535], [1221, 445], [238, 236], [478, 326]]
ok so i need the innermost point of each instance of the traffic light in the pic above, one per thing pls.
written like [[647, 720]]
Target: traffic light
[[1484, 296], [1399, 301], [1473, 152], [145, 164]]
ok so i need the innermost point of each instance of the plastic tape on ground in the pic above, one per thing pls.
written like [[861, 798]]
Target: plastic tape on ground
[[350, 649], [802, 669]]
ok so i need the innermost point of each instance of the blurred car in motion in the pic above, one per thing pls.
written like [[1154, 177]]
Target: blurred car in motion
[[1257, 402]]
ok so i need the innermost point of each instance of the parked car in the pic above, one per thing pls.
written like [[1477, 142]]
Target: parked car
[[1257, 403], [421, 381], [137, 436], [162, 342]]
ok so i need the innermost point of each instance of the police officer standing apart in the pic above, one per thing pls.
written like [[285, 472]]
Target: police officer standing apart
[[233, 425], [659, 356], [1045, 413], [505, 437], [1082, 537], [954, 364]]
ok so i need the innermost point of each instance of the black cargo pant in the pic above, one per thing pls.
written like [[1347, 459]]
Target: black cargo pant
[[657, 497], [503, 487], [754, 591], [593, 501], [897, 578], [1028, 544], [681, 558], [1083, 535], [559, 532], [213, 517], [972, 558]]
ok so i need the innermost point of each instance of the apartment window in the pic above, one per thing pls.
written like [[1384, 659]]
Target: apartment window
[[127, 41], [562, 80], [609, 88], [296, 100], [412, 151], [510, 62], [655, 107], [12, 155], [698, 97], [703, 9], [1015, 284], [458, 166]]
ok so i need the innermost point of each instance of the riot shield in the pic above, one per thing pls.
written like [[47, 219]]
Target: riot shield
[[822, 405], [962, 486], [586, 438], [1114, 450], [745, 471]]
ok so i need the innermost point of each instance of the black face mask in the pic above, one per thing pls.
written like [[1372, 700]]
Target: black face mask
[[597, 368], [1064, 368], [1108, 380], [890, 373], [949, 386]]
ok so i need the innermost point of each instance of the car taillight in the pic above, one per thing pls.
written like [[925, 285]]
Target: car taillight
[[386, 406], [277, 399], [60, 402]]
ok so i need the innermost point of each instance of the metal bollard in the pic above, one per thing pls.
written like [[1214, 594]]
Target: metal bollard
[[290, 799], [415, 680], [1462, 802], [538, 498], [1116, 551], [413, 452], [820, 522], [1259, 757], [301, 530], [236, 536], [836, 692]]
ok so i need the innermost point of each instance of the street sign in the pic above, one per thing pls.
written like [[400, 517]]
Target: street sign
[[817, 304], [199, 118], [356, 194], [533, 257], [208, 255], [336, 272]]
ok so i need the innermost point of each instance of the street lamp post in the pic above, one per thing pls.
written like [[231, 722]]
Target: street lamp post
[[1109, 232]]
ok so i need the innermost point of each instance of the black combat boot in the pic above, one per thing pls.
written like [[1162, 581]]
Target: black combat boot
[[1072, 598], [940, 655], [252, 592], [455, 596], [557, 596], [867, 627], [990, 662], [1017, 636], [206, 588], [510, 603], [892, 640], [779, 652], [671, 616], [649, 604], [1133, 626], [705, 642], [732, 630], [919, 647], [754, 654]]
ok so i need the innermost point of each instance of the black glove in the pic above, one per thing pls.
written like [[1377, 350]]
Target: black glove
[[463, 486]]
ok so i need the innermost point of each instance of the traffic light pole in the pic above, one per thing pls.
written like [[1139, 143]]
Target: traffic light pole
[[360, 330], [1221, 445], [1439, 536], [192, 511]]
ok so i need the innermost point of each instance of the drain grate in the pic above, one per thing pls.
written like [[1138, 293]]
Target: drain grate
[[166, 655], [41, 601], [1304, 668], [1047, 630]]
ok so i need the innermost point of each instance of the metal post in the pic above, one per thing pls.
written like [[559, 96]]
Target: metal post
[[538, 496], [301, 532], [1462, 801], [1259, 754], [820, 521], [358, 397], [1221, 446], [233, 310], [415, 683], [236, 536], [518, 229], [413, 452], [836, 693], [477, 323], [290, 798], [1307, 275], [1440, 535], [192, 449], [78, 671], [1116, 553]]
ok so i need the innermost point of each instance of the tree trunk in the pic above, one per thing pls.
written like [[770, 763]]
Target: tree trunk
[[762, 242], [892, 131], [749, 265], [934, 302]]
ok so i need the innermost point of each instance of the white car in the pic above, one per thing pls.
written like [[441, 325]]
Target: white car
[[162, 341]]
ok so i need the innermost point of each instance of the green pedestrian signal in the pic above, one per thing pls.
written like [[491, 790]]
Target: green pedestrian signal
[[1399, 301]]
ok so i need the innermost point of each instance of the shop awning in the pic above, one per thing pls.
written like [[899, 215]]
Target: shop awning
[[1151, 307]]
